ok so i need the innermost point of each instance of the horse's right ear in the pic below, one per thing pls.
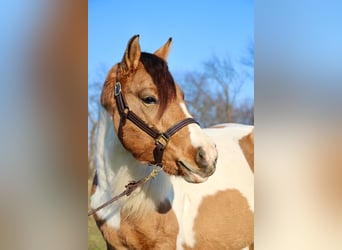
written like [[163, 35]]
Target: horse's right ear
[[131, 57], [164, 50]]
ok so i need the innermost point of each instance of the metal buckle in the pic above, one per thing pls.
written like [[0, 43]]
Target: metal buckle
[[117, 89], [164, 138], [126, 110]]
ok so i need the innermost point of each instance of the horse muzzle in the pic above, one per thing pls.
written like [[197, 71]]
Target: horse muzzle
[[205, 166]]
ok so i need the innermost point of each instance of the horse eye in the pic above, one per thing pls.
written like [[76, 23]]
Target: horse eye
[[149, 100]]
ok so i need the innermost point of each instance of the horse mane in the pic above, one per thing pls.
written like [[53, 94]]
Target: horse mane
[[157, 68]]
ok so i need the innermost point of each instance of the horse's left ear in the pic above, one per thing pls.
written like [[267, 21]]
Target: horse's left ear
[[131, 57], [163, 51]]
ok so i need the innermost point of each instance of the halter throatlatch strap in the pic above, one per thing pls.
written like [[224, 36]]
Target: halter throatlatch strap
[[161, 139]]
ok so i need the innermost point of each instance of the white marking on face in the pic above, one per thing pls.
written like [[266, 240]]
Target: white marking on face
[[185, 110], [199, 139]]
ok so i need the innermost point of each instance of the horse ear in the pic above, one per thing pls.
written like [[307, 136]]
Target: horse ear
[[163, 51], [132, 54]]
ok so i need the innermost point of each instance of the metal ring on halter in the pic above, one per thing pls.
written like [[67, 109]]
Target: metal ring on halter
[[117, 89], [126, 110]]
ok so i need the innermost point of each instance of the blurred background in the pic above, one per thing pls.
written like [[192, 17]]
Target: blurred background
[[47, 80]]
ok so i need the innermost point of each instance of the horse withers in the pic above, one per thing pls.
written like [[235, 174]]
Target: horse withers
[[202, 198]]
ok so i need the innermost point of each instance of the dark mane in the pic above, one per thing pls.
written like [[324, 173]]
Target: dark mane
[[159, 71]]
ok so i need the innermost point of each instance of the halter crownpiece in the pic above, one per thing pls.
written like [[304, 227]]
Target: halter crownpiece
[[161, 139]]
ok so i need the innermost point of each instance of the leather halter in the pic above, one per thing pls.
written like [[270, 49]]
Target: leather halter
[[161, 138]]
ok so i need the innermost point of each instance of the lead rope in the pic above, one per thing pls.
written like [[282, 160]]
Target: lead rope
[[129, 188]]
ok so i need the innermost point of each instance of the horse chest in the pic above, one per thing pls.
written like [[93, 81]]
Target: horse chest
[[155, 230], [223, 221]]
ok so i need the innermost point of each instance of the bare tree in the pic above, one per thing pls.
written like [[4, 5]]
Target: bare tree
[[212, 96], [92, 127], [94, 90], [223, 75], [244, 112], [198, 96], [91, 147], [248, 59]]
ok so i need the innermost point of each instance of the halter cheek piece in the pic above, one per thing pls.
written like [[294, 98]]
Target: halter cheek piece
[[161, 139]]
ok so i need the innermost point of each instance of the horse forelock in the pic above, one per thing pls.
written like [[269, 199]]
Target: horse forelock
[[157, 68]]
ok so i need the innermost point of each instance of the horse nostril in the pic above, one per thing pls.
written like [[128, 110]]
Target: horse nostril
[[201, 157]]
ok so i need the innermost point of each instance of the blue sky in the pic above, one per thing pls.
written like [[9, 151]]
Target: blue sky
[[200, 30]]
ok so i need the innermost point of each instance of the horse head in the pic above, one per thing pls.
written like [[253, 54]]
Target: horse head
[[142, 85]]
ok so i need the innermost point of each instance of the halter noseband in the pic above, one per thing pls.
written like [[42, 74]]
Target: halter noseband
[[161, 139]]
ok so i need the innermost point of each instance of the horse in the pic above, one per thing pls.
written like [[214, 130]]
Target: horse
[[202, 198]]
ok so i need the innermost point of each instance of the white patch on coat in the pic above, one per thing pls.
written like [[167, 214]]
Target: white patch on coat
[[199, 138], [237, 173], [232, 172]]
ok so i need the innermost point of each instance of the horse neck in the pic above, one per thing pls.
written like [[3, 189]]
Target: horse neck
[[116, 167]]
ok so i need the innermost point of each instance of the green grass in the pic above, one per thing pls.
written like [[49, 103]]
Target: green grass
[[95, 240]]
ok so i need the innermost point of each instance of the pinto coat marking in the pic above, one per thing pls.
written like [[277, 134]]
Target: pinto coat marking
[[169, 211], [247, 146], [198, 214]]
